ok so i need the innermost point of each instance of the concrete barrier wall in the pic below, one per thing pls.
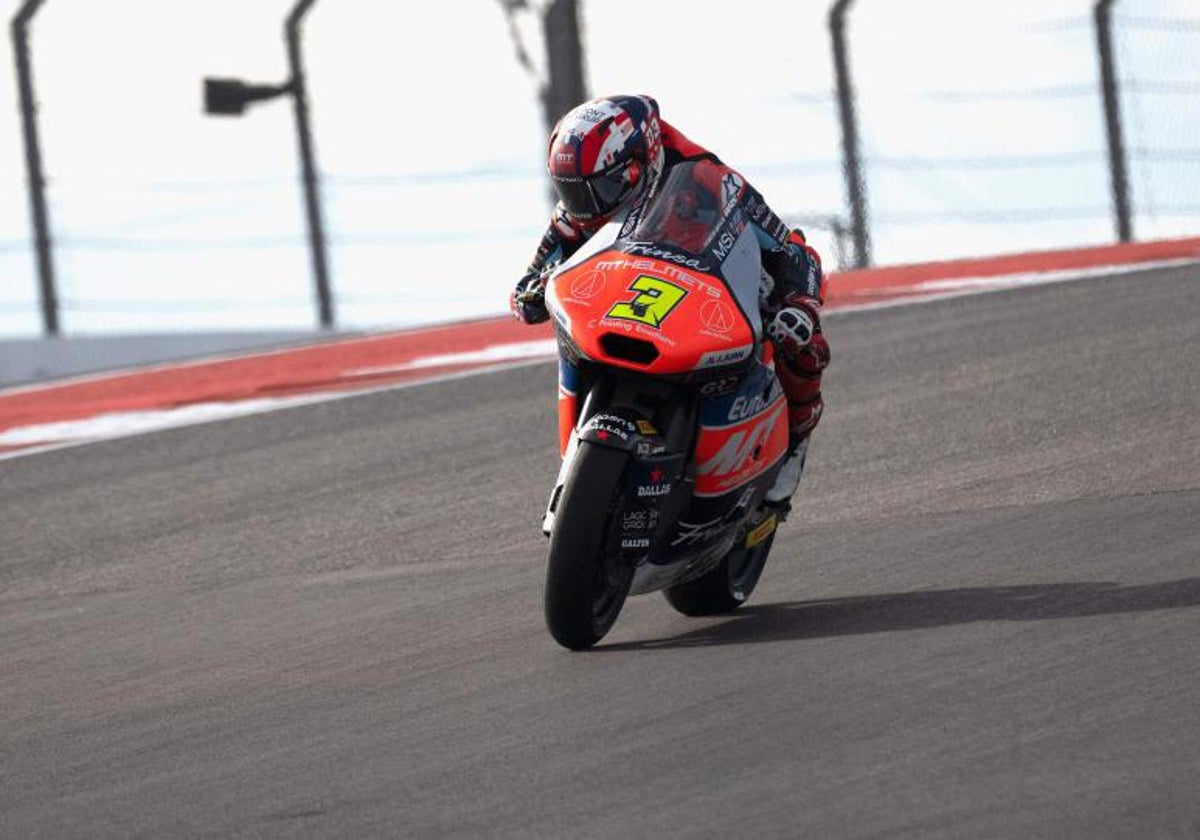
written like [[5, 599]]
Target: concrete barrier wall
[[26, 360]]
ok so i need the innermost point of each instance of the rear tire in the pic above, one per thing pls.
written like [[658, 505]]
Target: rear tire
[[585, 590], [727, 586]]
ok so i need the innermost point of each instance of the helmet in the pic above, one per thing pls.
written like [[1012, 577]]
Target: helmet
[[604, 153]]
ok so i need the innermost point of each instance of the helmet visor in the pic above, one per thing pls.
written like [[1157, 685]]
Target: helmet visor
[[597, 195]]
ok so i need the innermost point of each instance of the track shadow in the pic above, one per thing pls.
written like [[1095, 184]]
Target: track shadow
[[798, 620]]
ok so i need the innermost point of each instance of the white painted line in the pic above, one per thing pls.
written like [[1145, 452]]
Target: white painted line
[[1035, 278], [126, 423], [540, 349], [937, 290], [115, 426]]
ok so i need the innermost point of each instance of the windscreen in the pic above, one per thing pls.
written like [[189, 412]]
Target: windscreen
[[686, 213]]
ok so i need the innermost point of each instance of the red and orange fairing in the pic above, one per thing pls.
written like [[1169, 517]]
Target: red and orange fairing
[[615, 300]]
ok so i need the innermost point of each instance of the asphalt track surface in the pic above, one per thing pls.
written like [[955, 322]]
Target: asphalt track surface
[[981, 621]]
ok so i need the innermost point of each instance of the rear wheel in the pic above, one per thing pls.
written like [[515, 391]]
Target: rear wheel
[[727, 586], [585, 589]]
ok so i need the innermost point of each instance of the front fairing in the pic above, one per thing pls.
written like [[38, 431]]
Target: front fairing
[[671, 296]]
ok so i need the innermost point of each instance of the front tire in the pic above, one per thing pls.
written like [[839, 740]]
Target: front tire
[[585, 589], [727, 586]]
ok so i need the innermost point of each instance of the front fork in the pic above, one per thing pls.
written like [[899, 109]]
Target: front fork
[[568, 403], [652, 421], [569, 385]]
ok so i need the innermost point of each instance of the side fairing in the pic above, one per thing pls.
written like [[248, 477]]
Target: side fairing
[[742, 435], [742, 442], [741, 269]]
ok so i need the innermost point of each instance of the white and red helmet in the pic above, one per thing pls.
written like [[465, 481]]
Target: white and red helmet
[[604, 154]]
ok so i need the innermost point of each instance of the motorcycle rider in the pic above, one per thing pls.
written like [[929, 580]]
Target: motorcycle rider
[[606, 157]]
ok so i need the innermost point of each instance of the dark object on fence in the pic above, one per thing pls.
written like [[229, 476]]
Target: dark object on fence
[[33, 165], [229, 97], [1112, 119], [851, 160]]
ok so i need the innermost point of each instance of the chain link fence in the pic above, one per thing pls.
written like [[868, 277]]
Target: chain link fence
[[981, 131], [955, 164]]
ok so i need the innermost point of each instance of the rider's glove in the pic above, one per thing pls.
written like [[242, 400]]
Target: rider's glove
[[528, 300], [791, 329]]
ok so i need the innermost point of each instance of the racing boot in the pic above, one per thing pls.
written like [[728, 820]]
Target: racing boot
[[779, 498]]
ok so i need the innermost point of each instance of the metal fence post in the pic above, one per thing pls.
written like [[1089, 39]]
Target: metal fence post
[[851, 161], [565, 85], [33, 165], [1110, 88], [312, 200]]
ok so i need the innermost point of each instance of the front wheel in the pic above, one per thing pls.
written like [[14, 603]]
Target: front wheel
[[727, 586], [585, 588]]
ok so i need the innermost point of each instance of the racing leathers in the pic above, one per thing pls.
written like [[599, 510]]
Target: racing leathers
[[792, 309]]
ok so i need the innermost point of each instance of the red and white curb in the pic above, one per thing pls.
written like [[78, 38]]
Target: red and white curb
[[66, 413]]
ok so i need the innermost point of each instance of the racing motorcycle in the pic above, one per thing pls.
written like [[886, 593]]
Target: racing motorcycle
[[672, 422]]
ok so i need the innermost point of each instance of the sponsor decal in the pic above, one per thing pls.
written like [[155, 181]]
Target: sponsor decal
[[724, 245], [656, 487], [747, 494], [631, 220], [731, 456], [762, 531], [645, 447], [719, 386], [654, 335], [614, 420], [744, 406], [636, 542], [729, 236], [653, 132], [691, 533], [667, 270], [565, 157], [737, 452], [766, 219], [813, 280], [649, 333], [717, 316], [646, 427], [652, 251], [724, 357], [656, 299], [731, 190], [639, 520], [603, 430], [587, 286]]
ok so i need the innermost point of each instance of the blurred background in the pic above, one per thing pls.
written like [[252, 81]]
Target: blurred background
[[975, 129]]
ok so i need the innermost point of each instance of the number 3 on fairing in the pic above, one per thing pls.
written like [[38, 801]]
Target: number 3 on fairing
[[655, 300]]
